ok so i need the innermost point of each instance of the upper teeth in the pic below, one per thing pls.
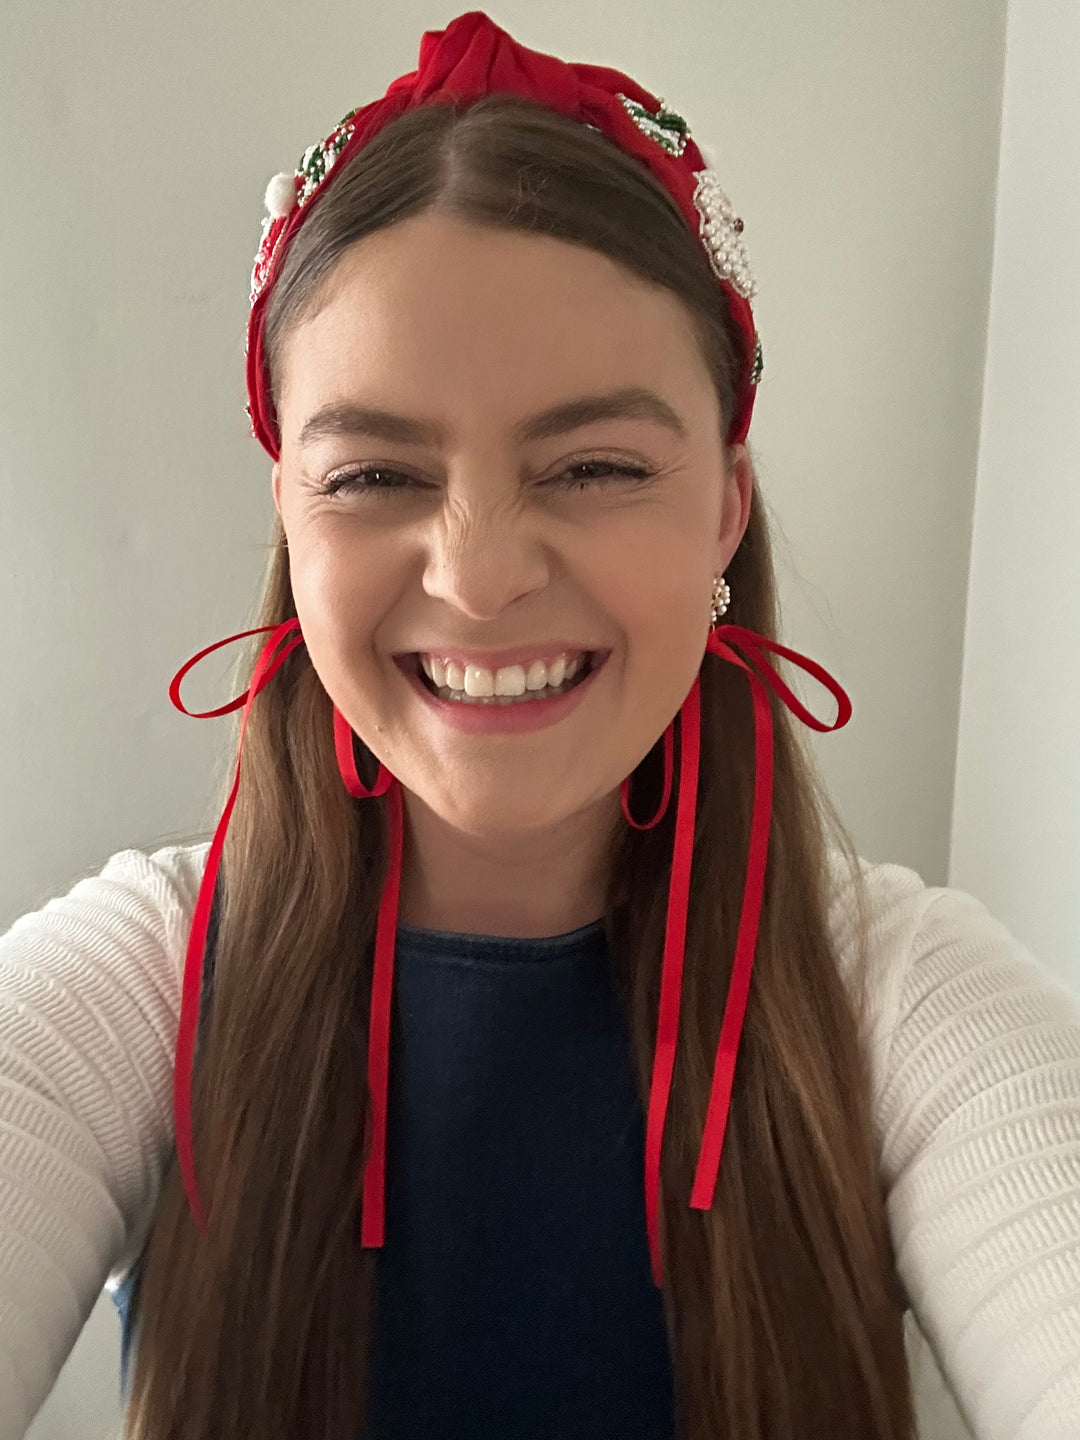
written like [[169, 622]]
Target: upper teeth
[[507, 680]]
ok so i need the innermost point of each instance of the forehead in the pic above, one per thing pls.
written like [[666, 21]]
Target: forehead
[[451, 320]]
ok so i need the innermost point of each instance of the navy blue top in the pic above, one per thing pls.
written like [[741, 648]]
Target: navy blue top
[[514, 1296]]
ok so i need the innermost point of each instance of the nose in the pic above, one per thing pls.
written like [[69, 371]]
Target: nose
[[482, 564]]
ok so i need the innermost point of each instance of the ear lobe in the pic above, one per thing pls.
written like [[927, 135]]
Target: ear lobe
[[275, 485]]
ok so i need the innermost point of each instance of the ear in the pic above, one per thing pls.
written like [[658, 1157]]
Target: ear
[[738, 494], [275, 484]]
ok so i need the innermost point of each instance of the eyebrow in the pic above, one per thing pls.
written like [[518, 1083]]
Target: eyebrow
[[629, 403]]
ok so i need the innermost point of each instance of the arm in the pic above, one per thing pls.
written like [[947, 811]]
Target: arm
[[979, 1113], [89, 1009]]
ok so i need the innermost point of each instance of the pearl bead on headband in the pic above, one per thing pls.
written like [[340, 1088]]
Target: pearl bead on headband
[[471, 58]]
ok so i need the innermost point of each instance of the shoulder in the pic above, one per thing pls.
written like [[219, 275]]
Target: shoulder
[[154, 888], [89, 1006], [164, 880], [936, 960], [90, 986], [127, 921], [976, 1060], [875, 913]]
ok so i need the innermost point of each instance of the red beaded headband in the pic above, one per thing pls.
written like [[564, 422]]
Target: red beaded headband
[[471, 58]]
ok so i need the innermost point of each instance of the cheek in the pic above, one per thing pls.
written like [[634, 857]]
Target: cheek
[[659, 609], [666, 618], [340, 598], [660, 592], [664, 655]]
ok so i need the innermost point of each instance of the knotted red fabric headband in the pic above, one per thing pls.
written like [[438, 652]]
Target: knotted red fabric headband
[[470, 58]]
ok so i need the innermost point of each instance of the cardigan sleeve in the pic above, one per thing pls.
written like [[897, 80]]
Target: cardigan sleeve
[[977, 1104], [89, 1011]]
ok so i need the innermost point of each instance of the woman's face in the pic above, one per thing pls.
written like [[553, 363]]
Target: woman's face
[[477, 538]]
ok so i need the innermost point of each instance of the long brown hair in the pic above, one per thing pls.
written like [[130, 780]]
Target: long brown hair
[[781, 1303]]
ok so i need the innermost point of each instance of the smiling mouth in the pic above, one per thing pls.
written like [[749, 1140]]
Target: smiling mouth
[[411, 664]]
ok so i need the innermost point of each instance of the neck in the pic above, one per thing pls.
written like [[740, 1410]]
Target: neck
[[526, 884]]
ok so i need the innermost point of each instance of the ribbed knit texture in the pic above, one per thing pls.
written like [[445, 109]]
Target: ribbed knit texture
[[975, 1056]]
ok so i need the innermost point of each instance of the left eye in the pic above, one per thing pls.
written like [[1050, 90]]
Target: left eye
[[629, 472], [361, 479]]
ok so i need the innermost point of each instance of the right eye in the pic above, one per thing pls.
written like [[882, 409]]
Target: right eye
[[346, 480]]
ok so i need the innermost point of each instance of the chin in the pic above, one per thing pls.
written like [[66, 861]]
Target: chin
[[502, 817]]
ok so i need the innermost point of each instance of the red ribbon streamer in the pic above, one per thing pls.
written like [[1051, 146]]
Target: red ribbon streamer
[[720, 642], [193, 963]]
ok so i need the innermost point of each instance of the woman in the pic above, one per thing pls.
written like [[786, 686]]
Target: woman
[[448, 1150]]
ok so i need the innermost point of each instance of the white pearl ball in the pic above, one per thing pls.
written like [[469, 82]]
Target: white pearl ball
[[280, 194]]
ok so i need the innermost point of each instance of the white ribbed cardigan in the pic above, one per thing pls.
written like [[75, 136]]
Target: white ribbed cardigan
[[975, 1051]]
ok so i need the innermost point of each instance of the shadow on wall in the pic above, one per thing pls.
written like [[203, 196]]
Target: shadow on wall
[[936, 1415], [84, 1404]]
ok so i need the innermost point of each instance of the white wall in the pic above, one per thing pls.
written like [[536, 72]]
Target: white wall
[[859, 143], [1016, 829]]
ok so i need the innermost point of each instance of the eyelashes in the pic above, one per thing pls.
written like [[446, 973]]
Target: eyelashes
[[358, 478]]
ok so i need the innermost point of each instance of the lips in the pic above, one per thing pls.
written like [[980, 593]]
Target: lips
[[482, 717]]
